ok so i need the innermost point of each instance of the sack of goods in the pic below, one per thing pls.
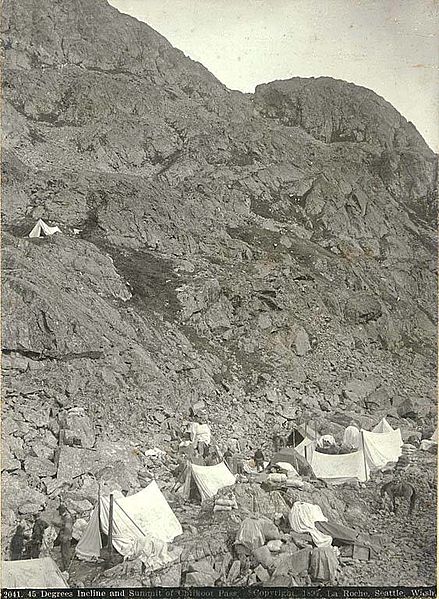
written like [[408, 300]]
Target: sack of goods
[[295, 483], [225, 504], [275, 546], [277, 478], [222, 508]]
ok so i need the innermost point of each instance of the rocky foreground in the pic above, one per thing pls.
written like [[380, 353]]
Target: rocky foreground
[[272, 254], [70, 473]]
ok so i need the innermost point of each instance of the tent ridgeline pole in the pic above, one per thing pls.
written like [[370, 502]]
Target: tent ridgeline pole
[[99, 510], [110, 526], [364, 454]]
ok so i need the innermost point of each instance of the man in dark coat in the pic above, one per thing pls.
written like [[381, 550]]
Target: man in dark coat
[[259, 460], [65, 537], [17, 544]]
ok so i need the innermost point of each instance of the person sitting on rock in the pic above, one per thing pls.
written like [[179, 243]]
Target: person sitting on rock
[[17, 544], [259, 460]]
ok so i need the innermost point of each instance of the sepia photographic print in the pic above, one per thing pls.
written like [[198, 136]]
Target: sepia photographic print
[[219, 298]]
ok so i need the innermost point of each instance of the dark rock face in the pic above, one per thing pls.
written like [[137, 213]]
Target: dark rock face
[[251, 251]]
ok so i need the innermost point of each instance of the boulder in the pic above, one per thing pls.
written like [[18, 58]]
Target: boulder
[[41, 450], [358, 389], [205, 567], [200, 579], [263, 556], [73, 462], [8, 462], [362, 308], [301, 342], [78, 506], [27, 509], [37, 418], [171, 577], [39, 466], [261, 573], [78, 428], [407, 409], [293, 563]]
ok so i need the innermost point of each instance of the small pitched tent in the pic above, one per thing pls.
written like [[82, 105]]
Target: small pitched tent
[[41, 228], [40, 573], [301, 432], [382, 427], [204, 481], [145, 514], [293, 457]]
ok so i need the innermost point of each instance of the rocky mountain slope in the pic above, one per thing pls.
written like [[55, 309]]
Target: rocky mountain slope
[[272, 254]]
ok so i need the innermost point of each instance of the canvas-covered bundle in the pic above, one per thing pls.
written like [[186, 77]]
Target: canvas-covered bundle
[[303, 517]]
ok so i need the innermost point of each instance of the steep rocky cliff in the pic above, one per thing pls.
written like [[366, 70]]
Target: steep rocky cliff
[[268, 253]]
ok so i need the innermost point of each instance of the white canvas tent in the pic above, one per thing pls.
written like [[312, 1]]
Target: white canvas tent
[[382, 427], [339, 468], [208, 480], [42, 573], [41, 228], [376, 449], [145, 514]]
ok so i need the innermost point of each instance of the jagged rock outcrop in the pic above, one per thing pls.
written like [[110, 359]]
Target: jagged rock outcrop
[[254, 251]]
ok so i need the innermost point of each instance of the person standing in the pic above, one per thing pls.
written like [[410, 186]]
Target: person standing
[[65, 536], [259, 460], [17, 544], [37, 537]]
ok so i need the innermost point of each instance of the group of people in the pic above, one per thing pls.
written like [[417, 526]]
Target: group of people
[[197, 447], [43, 538]]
